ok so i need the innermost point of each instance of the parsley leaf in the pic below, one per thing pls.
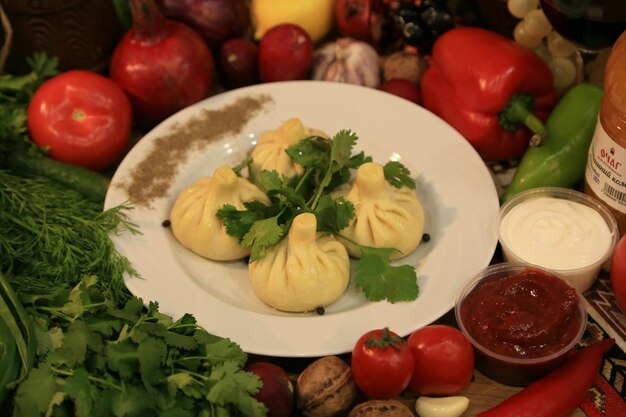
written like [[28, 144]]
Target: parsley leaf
[[379, 280], [333, 214], [398, 175], [239, 222], [263, 234], [143, 363], [311, 152]]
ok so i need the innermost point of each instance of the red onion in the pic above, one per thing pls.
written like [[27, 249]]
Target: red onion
[[162, 65], [216, 20]]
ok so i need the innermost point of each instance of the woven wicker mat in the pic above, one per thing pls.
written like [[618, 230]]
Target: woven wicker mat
[[606, 319]]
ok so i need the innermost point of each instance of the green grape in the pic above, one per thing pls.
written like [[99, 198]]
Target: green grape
[[519, 8], [563, 72], [559, 46], [537, 23], [525, 36]]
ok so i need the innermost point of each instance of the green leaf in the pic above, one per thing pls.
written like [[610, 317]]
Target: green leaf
[[237, 222], [333, 214], [292, 197], [151, 353], [122, 358], [179, 381], [269, 180], [134, 401], [341, 149], [229, 383], [224, 350], [35, 394], [74, 347], [79, 389], [263, 234], [379, 280], [358, 159], [106, 326], [398, 175], [131, 311], [310, 152]]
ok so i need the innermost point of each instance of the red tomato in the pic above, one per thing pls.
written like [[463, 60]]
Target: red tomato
[[444, 360], [382, 364], [83, 118], [618, 272]]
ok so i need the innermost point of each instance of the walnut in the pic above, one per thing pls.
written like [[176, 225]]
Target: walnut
[[325, 388], [404, 64], [381, 408]]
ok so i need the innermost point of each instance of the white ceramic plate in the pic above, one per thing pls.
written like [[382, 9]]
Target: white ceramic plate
[[453, 183]]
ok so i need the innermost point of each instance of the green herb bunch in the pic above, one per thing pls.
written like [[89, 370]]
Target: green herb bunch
[[98, 358], [51, 237], [328, 164], [15, 94]]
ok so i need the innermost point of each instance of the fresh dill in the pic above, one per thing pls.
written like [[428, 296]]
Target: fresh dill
[[50, 236]]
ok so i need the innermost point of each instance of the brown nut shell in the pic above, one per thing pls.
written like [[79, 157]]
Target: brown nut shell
[[325, 388], [381, 408]]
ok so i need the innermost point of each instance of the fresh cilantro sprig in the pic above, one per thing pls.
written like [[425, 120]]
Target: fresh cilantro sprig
[[379, 280], [398, 175], [98, 359], [327, 163]]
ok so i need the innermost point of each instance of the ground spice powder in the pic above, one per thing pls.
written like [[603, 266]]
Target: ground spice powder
[[153, 176]]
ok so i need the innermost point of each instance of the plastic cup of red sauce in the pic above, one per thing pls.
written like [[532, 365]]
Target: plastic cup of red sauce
[[522, 320]]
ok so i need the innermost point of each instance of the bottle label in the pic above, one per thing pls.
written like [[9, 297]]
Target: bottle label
[[606, 169]]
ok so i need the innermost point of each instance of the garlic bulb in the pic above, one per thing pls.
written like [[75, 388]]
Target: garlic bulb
[[347, 60]]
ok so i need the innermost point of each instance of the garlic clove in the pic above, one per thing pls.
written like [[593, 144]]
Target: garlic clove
[[453, 406]]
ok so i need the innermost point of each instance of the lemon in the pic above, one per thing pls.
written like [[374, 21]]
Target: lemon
[[314, 16]]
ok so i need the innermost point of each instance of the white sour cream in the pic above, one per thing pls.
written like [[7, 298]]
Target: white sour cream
[[555, 233]]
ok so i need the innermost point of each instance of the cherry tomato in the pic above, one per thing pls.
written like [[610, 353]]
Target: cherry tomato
[[618, 272], [83, 118], [444, 360], [382, 364]]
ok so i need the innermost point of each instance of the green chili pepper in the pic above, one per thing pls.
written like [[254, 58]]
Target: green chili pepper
[[561, 160]]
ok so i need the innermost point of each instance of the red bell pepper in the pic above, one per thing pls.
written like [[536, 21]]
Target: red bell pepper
[[560, 392], [488, 87]]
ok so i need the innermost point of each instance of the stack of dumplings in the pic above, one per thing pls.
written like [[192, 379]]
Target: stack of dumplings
[[307, 269]]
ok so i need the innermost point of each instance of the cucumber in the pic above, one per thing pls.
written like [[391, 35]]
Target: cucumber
[[90, 184]]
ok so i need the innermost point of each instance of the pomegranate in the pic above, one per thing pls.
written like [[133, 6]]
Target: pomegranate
[[162, 65]]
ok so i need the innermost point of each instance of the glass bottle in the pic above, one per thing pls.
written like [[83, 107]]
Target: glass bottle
[[605, 176]]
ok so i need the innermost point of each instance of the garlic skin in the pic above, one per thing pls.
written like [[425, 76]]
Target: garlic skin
[[453, 406], [347, 60]]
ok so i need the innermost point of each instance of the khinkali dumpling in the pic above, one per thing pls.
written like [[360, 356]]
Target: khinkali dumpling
[[304, 271], [385, 216], [193, 217], [269, 153]]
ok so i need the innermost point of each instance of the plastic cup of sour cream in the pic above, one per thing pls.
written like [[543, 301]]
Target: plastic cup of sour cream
[[560, 229]]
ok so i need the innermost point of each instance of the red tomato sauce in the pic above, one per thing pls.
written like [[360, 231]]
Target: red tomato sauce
[[528, 315]]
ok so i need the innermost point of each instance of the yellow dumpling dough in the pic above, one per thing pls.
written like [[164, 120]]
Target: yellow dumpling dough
[[385, 216], [269, 153], [193, 217], [304, 271]]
